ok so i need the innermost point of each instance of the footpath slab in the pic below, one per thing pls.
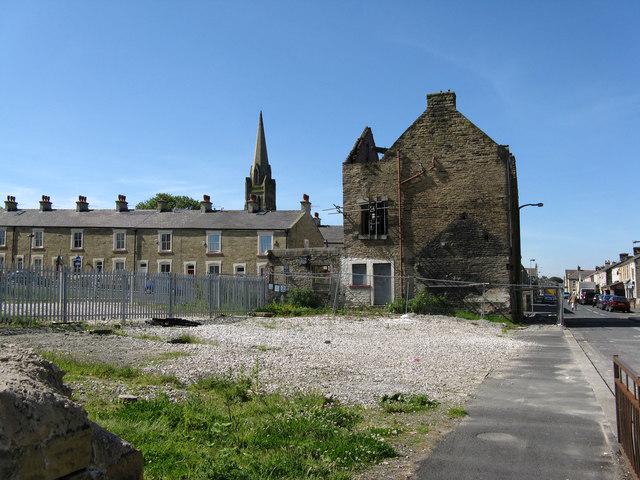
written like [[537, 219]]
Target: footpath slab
[[534, 418]]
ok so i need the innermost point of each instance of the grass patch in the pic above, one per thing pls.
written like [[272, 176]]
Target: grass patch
[[456, 412], [186, 339], [76, 369], [224, 431], [493, 318], [145, 336], [402, 403], [291, 310]]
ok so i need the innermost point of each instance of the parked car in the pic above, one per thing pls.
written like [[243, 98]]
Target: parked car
[[548, 299], [602, 301], [616, 302]]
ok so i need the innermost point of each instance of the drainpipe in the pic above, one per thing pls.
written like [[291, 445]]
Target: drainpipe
[[135, 249], [399, 203]]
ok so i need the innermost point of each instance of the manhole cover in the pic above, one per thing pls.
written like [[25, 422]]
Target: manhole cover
[[497, 437]]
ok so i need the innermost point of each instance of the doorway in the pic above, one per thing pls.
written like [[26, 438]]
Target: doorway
[[381, 283]]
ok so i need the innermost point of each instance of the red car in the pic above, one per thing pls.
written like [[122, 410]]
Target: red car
[[616, 302]]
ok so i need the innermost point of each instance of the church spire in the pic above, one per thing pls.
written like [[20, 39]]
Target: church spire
[[259, 183]]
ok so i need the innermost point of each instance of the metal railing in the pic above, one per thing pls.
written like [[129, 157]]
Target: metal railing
[[627, 386], [65, 295]]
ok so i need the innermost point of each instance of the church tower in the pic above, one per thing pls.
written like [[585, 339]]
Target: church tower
[[260, 188]]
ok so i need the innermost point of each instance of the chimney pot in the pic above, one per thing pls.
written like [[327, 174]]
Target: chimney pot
[[205, 204], [121, 204], [82, 205], [10, 204], [45, 204], [316, 219]]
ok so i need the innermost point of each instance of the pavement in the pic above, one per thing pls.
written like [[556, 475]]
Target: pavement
[[536, 417]]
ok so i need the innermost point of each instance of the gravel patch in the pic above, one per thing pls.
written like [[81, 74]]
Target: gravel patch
[[355, 359]]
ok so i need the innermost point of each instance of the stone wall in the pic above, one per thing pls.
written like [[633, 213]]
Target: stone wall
[[459, 217], [46, 436]]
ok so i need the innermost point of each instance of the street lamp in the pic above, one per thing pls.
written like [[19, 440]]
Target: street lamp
[[531, 260], [531, 205]]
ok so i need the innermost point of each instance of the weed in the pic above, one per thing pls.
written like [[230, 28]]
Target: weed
[[456, 412], [146, 336], [186, 339], [75, 369], [405, 403]]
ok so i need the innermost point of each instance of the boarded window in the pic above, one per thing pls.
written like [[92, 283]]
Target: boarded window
[[373, 219], [359, 274]]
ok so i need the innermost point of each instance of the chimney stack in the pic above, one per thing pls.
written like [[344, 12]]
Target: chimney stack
[[121, 204], [636, 251], [441, 101], [10, 204], [205, 204], [252, 204], [305, 204], [82, 205], [316, 219], [163, 205], [623, 256], [45, 204]]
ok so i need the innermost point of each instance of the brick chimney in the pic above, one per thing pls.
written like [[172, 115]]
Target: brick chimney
[[10, 204], [305, 204], [252, 204], [121, 204], [45, 203], [82, 205], [316, 219], [441, 101], [205, 205]]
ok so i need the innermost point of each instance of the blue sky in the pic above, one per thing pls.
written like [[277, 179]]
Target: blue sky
[[101, 98]]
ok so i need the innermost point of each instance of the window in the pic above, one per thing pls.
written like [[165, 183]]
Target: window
[[1, 262], [261, 268], [38, 238], [120, 240], [265, 242], [75, 263], [3, 237], [37, 262], [359, 274], [373, 219], [190, 268], [143, 266], [239, 268], [98, 265], [213, 268], [77, 240], [119, 264], [164, 266], [214, 242], [19, 262], [164, 241]]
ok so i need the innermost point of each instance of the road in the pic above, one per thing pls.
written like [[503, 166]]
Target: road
[[603, 334]]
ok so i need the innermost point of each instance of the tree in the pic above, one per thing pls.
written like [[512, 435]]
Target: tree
[[173, 201]]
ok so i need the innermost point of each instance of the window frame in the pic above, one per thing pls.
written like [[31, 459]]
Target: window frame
[[115, 240], [3, 236], [19, 259], [244, 268], [95, 267], [185, 266], [208, 244], [216, 263], [264, 234], [165, 262], [73, 235], [381, 214], [365, 278], [160, 234], [117, 260], [33, 261], [35, 233], [2, 261], [261, 265]]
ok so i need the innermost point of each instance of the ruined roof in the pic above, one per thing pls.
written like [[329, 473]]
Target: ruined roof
[[222, 220], [332, 234]]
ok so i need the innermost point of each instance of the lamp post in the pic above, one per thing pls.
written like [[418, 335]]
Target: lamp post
[[531, 205], [531, 260], [31, 235]]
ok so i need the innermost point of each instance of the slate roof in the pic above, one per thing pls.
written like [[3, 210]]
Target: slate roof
[[188, 219], [573, 274], [332, 234]]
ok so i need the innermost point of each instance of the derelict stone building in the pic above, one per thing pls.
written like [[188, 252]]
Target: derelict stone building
[[440, 203]]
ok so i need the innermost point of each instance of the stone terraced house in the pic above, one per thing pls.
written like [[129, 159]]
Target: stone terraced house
[[207, 241], [440, 203]]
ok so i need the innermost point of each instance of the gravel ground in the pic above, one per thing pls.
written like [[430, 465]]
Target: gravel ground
[[355, 359]]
